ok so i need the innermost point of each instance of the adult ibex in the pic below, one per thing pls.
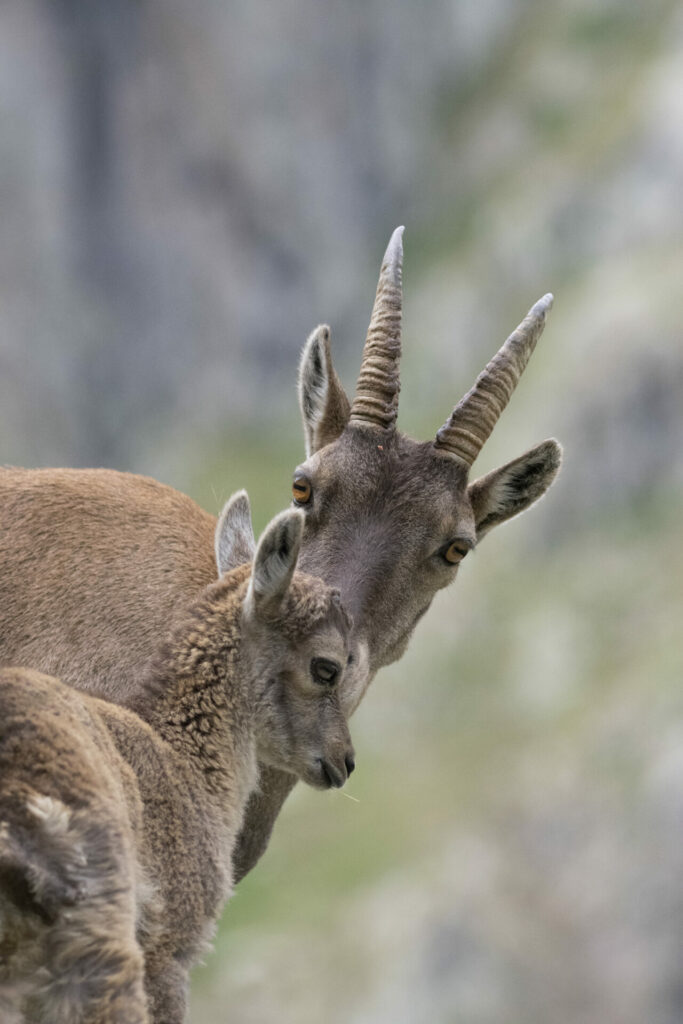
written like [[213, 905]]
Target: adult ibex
[[94, 564], [117, 829]]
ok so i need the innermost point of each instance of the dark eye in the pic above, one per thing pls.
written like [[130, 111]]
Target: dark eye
[[455, 553], [325, 671], [301, 490]]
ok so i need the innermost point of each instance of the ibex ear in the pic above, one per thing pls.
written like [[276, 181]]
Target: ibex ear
[[324, 405], [275, 559], [509, 490], [234, 537]]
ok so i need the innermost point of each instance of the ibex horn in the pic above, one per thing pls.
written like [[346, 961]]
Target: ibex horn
[[376, 401], [474, 417]]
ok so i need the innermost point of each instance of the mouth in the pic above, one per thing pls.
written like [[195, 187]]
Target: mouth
[[327, 776]]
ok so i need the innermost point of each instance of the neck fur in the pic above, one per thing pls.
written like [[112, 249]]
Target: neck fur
[[196, 697]]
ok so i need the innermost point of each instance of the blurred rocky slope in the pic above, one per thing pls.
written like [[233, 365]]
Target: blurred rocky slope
[[186, 190]]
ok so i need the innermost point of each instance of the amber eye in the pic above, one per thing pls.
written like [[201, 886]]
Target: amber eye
[[301, 490], [454, 553]]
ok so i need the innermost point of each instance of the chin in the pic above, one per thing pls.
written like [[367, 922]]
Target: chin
[[308, 771], [397, 646], [313, 778], [392, 652]]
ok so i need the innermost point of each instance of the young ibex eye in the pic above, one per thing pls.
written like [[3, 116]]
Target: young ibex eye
[[325, 671], [301, 490], [455, 553]]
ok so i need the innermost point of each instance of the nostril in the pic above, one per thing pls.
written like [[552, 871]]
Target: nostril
[[350, 763]]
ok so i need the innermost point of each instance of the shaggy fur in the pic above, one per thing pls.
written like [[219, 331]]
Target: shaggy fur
[[95, 565], [69, 879], [117, 828]]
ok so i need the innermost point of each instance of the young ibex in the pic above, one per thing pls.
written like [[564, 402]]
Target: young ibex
[[94, 564], [116, 828]]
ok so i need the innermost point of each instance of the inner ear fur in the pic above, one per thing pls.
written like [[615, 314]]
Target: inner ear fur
[[275, 559], [324, 405], [512, 488], [234, 537]]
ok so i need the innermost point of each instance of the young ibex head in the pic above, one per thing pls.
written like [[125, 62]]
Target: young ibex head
[[388, 519], [296, 649]]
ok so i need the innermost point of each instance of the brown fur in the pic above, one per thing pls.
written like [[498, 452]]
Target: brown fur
[[99, 564], [97, 802], [94, 565], [68, 877]]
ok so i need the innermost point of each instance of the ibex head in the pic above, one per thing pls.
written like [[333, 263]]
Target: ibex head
[[296, 649], [388, 519]]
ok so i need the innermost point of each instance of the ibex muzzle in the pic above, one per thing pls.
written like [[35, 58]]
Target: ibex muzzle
[[388, 519]]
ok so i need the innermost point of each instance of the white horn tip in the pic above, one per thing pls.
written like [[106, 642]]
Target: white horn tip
[[543, 305], [394, 253]]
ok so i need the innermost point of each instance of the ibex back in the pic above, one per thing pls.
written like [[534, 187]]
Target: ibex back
[[94, 564]]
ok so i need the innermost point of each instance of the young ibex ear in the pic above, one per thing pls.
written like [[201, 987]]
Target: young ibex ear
[[275, 559], [509, 490], [324, 405], [234, 537]]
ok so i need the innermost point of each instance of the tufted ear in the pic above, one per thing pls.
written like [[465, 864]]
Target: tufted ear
[[509, 490], [275, 559], [324, 405], [234, 537]]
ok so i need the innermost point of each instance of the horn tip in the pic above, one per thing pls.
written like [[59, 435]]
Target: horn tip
[[543, 305], [394, 254]]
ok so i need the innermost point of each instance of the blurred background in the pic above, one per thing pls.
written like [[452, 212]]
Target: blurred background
[[186, 190]]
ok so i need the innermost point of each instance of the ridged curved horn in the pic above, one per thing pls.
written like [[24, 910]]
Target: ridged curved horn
[[376, 401], [474, 417]]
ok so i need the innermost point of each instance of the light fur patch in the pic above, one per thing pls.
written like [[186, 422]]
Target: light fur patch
[[54, 816]]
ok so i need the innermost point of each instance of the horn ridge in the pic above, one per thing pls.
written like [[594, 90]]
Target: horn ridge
[[470, 424], [376, 401]]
